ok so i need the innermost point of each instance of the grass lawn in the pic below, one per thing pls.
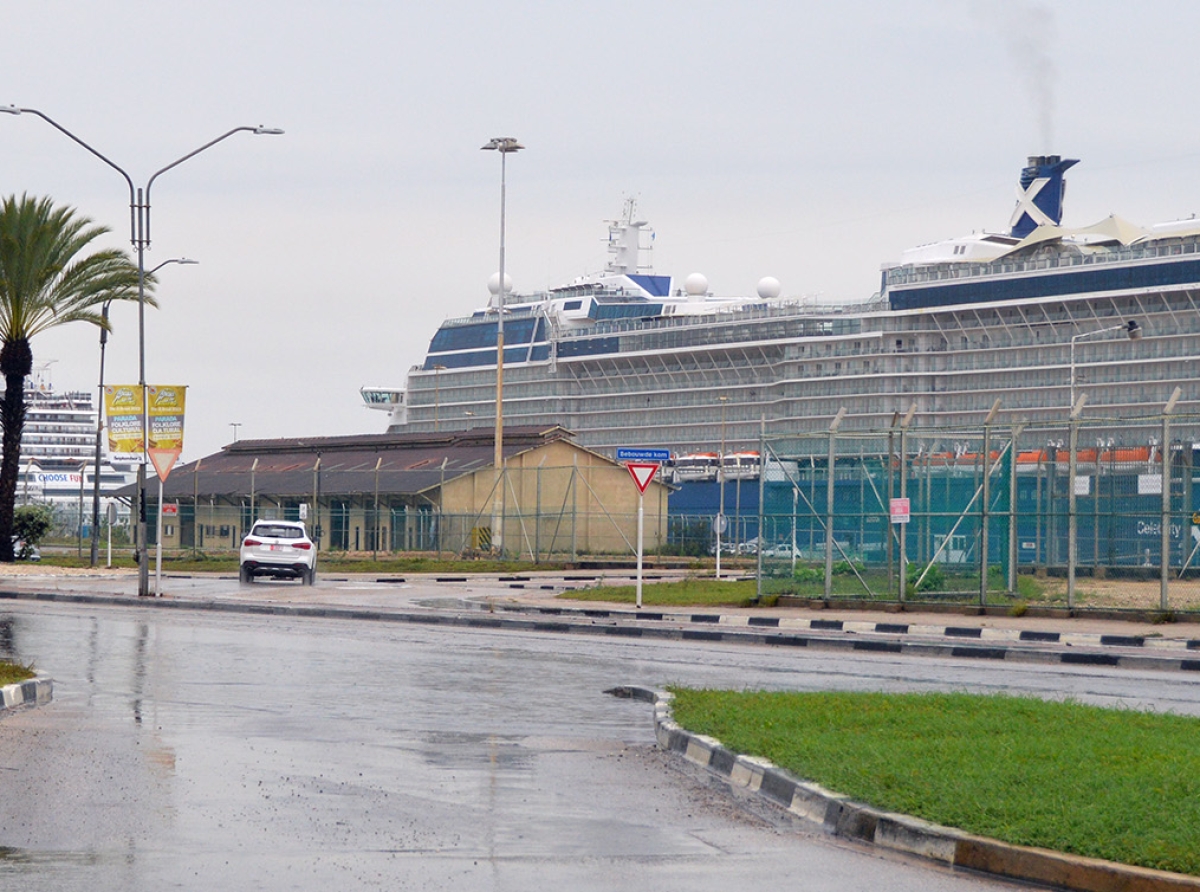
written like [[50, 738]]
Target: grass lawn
[[1113, 784], [709, 592], [11, 673], [685, 593]]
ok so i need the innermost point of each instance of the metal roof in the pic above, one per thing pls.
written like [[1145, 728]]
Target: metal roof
[[402, 464]]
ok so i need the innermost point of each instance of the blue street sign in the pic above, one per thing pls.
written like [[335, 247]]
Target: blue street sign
[[658, 455]]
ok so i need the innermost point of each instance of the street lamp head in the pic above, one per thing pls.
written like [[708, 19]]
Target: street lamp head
[[1133, 330], [183, 261], [266, 131], [502, 144], [10, 109]]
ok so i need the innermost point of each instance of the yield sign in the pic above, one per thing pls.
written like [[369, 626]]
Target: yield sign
[[642, 473]]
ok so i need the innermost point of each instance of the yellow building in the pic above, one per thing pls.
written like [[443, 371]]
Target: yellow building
[[419, 492]]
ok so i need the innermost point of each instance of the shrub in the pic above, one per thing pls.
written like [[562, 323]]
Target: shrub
[[809, 574], [31, 523], [934, 580]]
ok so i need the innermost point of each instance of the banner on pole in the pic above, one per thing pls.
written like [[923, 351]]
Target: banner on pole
[[165, 404], [123, 409]]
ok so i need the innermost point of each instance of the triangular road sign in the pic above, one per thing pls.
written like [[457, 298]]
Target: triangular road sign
[[642, 473]]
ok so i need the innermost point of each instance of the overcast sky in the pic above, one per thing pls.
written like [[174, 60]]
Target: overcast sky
[[807, 141]]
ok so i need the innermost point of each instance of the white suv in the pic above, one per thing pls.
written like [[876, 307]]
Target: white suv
[[279, 548]]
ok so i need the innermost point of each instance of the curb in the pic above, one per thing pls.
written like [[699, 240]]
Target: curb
[[655, 625], [968, 642], [893, 630], [34, 692], [839, 816]]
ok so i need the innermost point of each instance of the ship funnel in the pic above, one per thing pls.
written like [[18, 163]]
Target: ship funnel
[[1040, 194]]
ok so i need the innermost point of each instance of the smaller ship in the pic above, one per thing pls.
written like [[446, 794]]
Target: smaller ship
[[58, 452]]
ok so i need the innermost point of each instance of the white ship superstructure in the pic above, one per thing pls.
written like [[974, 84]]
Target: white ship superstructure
[[58, 449], [630, 358]]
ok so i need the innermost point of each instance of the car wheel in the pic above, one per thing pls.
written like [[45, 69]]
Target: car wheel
[[245, 575], [308, 577]]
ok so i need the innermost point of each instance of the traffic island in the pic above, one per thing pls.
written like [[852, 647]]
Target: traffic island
[[34, 692], [839, 816]]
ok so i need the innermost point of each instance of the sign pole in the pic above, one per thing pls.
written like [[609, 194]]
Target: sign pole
[[158, 545], [642, 473], [641, 521]]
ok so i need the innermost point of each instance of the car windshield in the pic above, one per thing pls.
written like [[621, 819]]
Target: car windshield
[[278, 531]]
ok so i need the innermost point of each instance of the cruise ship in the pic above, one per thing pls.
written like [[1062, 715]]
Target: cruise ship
[[58, 449], [628, 358]]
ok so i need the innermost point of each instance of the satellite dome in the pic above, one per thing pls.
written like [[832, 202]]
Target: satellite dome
[[494, 283], [769, 287], [696, 284]]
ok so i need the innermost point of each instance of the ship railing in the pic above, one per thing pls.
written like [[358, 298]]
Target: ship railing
[[949, 271], [831, 315]]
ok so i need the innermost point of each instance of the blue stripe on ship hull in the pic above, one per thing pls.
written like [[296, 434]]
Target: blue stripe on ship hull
[[1158, 275]]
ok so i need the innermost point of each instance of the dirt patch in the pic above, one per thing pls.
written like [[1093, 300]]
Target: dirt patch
[[34, 569], [1125, 594]]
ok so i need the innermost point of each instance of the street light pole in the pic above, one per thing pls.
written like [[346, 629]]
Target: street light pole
[[505, 145], [139, 235], [95, 546]]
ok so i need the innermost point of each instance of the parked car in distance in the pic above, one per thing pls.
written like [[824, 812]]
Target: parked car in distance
[[24, 551], [280, 549]]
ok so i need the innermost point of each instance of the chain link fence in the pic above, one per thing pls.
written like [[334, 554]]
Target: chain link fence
[[1089, 513]]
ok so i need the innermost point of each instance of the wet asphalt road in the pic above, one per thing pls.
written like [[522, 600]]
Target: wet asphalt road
[[206, 751]]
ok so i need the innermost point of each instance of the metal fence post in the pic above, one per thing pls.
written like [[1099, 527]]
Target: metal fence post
[[253, 471], [762, 504], [1165, 522], [829, 492], [903, 562], [987, 495], [891, 493], [1072, 529], [1013, 554]]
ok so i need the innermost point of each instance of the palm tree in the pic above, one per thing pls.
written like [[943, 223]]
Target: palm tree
[[44, 282]]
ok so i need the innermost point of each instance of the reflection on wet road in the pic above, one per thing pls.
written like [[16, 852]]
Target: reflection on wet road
[[221, 751]]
